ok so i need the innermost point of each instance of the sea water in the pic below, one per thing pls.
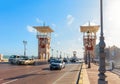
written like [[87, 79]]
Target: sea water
[[6, 56]]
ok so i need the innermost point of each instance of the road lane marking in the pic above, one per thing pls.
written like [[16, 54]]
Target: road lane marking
[[10, 81], [62, 76]]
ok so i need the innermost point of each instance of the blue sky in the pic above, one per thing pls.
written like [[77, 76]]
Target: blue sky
[[64, 16]]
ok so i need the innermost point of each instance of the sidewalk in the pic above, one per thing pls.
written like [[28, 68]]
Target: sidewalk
[[90, 76]]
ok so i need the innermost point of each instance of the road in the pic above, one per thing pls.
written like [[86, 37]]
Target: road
[[38, 74]]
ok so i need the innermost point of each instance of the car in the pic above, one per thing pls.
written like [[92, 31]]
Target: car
[[66, 60], [13, 59], [25, 60], [51, 59], [73, 60], [57, 64]]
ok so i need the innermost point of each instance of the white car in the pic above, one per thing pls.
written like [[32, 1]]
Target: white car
[[26, 61], [57, 64], [13, 59]]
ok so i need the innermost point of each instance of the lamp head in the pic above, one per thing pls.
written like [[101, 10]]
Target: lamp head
[[88, 32]]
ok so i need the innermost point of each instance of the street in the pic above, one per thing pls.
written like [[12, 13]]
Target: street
[[38, 74]]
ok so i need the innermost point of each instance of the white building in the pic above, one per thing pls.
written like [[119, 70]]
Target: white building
[[1, 57]]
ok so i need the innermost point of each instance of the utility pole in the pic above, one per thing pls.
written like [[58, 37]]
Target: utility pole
[[24, 43]]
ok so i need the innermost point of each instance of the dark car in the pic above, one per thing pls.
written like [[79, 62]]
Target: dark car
[[52, 59], [66, 60], [57, 64]]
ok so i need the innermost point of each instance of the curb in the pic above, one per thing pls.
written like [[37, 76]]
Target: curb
[[81, 78], [79, 74], [84, 76]]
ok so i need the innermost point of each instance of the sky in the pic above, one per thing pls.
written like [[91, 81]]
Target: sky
[[64, 16]]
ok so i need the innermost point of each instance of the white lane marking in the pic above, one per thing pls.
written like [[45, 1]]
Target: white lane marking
[[10, 81], [63, 76]]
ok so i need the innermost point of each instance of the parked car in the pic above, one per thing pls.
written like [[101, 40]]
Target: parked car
[[25, 60], [57, 64]]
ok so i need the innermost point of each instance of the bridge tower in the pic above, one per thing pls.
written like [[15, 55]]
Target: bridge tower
[[89, 39], [44, 38]]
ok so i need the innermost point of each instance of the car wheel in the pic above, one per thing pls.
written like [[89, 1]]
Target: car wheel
[[51, 68], [60, 68], [18, 63], [11, 62]]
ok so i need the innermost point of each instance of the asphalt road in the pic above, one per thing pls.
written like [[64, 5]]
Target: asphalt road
[[38, 74]]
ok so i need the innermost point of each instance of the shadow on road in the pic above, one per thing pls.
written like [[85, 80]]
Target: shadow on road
[[46, 69], [21, 76]]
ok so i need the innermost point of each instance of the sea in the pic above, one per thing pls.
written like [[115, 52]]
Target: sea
[[7, 56]]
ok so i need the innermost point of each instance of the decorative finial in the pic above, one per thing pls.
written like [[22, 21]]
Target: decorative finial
[[44, 24], [88, 23]]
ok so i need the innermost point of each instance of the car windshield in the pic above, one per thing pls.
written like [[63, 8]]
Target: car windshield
[[58, 61], [14, 56], [24, 57]]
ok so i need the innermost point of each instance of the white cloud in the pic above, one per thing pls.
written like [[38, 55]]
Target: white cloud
[[111, 22], [91, 23], [70, 19], [31, 29], [39, 21], [53, 25], [55, 35]]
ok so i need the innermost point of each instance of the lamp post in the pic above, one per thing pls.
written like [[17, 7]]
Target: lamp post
[[86, 58], [85, 50], [88, 48], [52, 52], [60, 54], [102, 69], [57, 53], [24, 43]]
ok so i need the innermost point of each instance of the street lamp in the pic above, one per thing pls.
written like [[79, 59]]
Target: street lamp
[[24, 43], [60, 54], [57, 53], [85, 49], [102, 69], [88, 48], [52, 52]]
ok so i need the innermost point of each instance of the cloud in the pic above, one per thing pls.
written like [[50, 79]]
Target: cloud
[[91, 23], [39, 21], [53, 25], [111, 22], [31, 29], [55, 35], [70, 19]]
